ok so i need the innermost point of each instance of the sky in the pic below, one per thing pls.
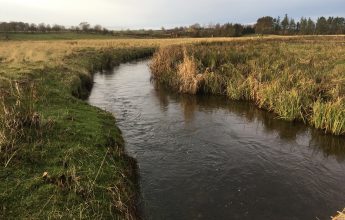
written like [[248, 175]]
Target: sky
[[154, 14]]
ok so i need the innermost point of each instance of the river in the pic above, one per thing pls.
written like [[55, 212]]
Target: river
[[205, 157]]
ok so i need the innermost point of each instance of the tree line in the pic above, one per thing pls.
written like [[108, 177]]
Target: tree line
[[211, 30], [264, 25], [46, 28], [195, 30], [305, 26], [268, 25]]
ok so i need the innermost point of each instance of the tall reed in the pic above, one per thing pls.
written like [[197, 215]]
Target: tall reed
[[295, 79]]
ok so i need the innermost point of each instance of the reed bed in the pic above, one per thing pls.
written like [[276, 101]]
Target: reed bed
[[295, 78]]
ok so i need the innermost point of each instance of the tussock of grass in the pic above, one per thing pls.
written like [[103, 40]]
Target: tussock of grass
[[329, 116], [19, 121], [190, 79], [296, 78]]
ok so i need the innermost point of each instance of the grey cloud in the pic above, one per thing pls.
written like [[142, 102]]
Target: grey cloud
[[157, 13]]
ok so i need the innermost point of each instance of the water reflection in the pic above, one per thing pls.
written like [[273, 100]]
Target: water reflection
[[161, 95], [328, 145]]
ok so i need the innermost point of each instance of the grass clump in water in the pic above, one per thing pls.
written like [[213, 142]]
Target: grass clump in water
[[329, 116], [190, 79]]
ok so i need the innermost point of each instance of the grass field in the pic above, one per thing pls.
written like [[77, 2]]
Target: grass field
[[62, 158]]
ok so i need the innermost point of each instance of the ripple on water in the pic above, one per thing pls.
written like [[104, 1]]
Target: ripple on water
[[210, 158]]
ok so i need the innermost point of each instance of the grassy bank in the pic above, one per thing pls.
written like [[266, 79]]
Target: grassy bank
[[296, 78], [60, 157]]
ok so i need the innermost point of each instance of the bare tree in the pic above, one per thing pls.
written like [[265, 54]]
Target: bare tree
[[84, 26]]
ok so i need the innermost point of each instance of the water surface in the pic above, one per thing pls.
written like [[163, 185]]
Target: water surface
[[210, 158]]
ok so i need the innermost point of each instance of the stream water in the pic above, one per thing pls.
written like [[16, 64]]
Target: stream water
[[210, 158]]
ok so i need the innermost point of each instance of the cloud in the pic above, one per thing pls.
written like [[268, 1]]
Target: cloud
[[157, 13]]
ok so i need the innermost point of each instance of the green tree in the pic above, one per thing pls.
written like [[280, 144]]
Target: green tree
[[331, 25], [277, 26], [292, 26], [285, 23], [336, 25], [321, 26], [264, 25], [303, 26], [310, 26], [238, 29]]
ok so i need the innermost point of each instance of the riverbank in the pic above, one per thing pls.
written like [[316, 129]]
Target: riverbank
[[60, 157], [297, 78]]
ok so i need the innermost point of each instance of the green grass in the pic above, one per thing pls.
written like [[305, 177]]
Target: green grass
[[301, 78], [67, 159]]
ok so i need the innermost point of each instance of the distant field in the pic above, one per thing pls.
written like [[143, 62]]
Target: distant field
[[22, 56]]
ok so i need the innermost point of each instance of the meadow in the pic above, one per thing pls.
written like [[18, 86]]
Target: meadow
[[62, 158]]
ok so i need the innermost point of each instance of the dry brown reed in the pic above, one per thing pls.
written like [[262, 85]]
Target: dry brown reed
[[296, 78]]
